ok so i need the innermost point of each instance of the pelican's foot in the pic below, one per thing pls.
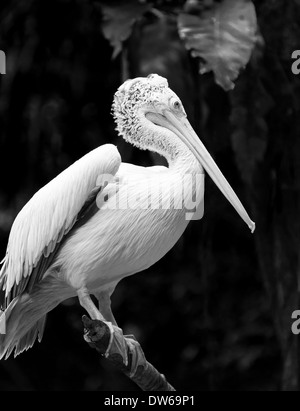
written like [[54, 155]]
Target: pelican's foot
[[111, 338], [137, 354], [130, 337], [110, 341], [123, 345]]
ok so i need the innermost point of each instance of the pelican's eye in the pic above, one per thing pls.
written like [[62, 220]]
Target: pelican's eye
[[175, 104]]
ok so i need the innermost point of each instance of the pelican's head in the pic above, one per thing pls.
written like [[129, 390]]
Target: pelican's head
[[136, 105], [151, 116]]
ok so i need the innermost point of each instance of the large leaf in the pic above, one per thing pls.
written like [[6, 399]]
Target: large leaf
[[223, 37], [118, 19]]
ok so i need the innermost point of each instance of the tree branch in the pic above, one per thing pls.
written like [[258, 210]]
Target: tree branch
[[125, 353]]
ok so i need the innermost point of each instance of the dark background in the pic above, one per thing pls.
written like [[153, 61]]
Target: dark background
[[215, 313]]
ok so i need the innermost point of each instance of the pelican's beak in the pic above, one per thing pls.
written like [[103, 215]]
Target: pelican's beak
[[182, 128]]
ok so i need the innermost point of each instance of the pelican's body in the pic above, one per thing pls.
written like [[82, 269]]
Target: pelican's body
[[75, 237], [130, 240]]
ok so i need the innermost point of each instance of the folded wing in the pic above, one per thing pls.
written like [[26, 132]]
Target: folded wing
[[41, 225]]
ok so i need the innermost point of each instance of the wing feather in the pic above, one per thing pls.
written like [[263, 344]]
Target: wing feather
[[41, 225]]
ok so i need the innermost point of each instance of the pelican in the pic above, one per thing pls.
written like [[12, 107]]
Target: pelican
[[74, 239]]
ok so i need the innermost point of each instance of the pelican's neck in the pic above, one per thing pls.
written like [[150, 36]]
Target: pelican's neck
[[164, 142], [182, 159]]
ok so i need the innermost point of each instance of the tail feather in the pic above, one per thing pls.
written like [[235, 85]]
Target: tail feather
[[23, 321], [27, 341], [22, 327]]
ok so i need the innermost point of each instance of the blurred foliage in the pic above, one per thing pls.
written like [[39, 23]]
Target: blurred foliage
[[214, 314], [223, 36], [118, 19]]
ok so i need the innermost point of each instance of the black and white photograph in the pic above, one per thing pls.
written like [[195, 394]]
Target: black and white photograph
[[149, 198]]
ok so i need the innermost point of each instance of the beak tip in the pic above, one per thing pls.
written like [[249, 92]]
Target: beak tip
[[252, 227]]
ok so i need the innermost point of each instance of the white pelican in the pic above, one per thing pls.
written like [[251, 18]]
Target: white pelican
[[72, 239]]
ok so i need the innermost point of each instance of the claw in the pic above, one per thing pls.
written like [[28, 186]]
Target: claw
[[138, 356], [111, 339]]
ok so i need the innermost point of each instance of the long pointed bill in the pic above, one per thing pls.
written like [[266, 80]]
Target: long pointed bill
[[182, 128]]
